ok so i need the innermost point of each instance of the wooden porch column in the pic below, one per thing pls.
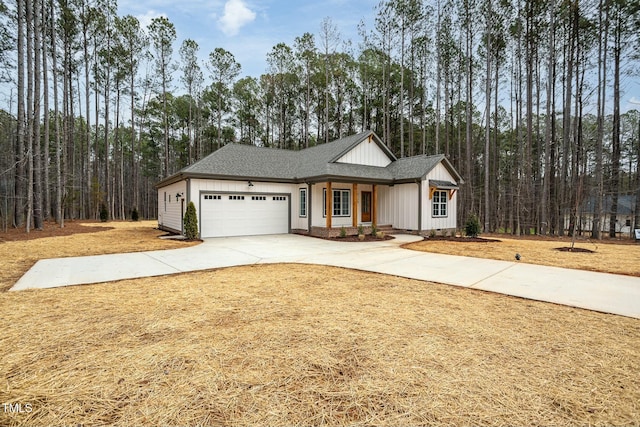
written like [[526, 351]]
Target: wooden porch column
[[374, 216], [354, 209], [329, 204]]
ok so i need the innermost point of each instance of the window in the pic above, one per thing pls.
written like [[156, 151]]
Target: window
[[165, 201], [280, 198], [303, 202], [258, 197], [440, 203], [341, 202], [212, 197], [236, 197]]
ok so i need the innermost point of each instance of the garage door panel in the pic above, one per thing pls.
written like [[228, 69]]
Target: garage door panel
[[242, 215]]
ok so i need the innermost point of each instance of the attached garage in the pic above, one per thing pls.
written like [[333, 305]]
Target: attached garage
[[224, 214]]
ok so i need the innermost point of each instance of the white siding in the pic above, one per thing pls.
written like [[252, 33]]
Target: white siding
[[297, 222], [319, 220], [169, 209], [439, 173], [366, 153], [404, 206], [385, 211]]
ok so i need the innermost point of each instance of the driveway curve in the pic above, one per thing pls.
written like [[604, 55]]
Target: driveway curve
[[609, 293]]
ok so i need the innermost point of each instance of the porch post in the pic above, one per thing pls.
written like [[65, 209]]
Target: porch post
[[329, 204], [354, 209], [419, 207], [309, 207], [374, 218]]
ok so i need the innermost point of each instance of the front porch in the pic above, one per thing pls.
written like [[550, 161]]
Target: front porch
[[348, 206]]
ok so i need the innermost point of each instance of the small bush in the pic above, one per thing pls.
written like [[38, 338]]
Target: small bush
[[432, 233], [343, 232], [104, 214], [134, 215], [374, 230], [191, 222], [361, 229], [472, 227]]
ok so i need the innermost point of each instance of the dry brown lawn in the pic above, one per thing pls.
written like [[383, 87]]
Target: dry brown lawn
[[19, 251], [300, 345], [309, 345], [608, 257]]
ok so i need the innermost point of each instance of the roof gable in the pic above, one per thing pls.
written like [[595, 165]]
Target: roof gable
[[368, 152]]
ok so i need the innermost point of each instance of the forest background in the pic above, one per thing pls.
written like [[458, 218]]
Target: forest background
[[524, 98]]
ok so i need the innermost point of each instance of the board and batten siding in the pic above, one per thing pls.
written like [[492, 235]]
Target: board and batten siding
[[366, 153], [404, 206], [439, 173], [169, 208], [318, 219]]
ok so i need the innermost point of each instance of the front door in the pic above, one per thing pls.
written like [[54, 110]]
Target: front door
[[365, 207]]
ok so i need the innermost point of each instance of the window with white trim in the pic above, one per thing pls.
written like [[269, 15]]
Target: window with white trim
[[439, 203], [303, 203], [341, 203]]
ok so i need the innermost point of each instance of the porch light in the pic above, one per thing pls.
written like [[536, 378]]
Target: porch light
[[250, 184], [178, 195]]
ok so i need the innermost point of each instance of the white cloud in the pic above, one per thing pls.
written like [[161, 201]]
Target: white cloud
[[145, 18], [236, 15]]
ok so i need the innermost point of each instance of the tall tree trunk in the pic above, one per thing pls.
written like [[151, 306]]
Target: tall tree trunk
[[37, 155], [30, 113], [469, 111], [487, 129], [615, 141], [19, 179], [636, 219], [565, 188], [56, 115], [87, 100], [546, 183], [438, 79], [45, 102]]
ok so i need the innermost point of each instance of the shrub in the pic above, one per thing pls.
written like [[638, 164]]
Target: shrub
[[432, 233], [104, 214], [343, 232], [374, 230], [361, 229], [134, 215], [472, 227], [191, 222]]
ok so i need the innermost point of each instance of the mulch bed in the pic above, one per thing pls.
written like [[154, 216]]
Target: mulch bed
[[367, 238], [460, 239], [577, 250]]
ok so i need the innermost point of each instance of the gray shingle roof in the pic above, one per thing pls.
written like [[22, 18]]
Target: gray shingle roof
[[314, 163]]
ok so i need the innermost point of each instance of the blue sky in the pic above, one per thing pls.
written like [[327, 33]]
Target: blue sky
[[250, 28]]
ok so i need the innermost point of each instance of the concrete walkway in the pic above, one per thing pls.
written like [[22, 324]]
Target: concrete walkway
[[607, 293]]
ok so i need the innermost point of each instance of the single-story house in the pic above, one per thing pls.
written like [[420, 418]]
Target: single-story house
[[624, 217], [248, 190]]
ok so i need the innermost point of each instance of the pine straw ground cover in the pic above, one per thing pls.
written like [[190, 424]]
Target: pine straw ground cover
[[19, 251], [285, 345], [618, 257]]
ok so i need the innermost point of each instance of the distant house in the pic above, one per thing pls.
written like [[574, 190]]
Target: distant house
[[624, 216], [247, 190]]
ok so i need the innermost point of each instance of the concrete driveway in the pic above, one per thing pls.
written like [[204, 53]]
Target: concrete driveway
[[608, 293]]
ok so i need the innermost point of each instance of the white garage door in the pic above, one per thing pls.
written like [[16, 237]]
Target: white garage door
[[243, 215]]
